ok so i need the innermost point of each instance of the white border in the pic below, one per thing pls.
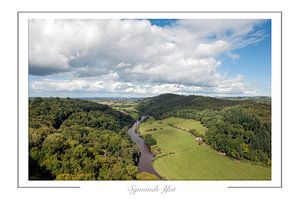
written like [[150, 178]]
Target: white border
[[123, 186]]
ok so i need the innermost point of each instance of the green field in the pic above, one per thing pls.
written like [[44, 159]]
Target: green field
[[182, 158], [186, 124], [125, 106]]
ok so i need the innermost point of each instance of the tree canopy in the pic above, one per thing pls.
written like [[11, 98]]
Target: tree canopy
[[79, 140]]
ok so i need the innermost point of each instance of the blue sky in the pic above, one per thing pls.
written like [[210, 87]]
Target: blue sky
[[162, 22], [94, 58], [254, 62]]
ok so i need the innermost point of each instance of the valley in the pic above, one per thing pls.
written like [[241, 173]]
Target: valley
[[169, 137]]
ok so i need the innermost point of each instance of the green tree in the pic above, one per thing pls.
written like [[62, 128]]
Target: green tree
[[149, 140]]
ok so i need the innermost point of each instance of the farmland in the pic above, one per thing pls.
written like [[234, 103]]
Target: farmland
[[182, 158], [124, 106]]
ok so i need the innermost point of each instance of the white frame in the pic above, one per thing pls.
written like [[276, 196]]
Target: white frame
[[124, 186]]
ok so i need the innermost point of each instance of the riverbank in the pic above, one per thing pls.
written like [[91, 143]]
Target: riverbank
[[146, 158]]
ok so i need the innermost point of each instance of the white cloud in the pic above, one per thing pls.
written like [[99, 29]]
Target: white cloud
[[233, 56], [133, 56], [213, 49], [99, 87]]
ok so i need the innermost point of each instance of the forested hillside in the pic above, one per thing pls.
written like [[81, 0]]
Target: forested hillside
[[169, 104], [76, 140], [239, 128]]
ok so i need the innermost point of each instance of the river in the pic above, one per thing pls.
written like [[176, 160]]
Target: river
[[145, 161]]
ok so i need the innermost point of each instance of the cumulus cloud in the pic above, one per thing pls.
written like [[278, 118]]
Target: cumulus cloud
[[224, 87], [212, 49], [134, 56]]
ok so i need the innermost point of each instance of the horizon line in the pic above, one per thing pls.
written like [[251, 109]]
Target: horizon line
[[215, 96]]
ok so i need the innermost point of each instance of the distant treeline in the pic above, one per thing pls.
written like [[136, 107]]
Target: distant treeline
[[239, 128], [79, 140]]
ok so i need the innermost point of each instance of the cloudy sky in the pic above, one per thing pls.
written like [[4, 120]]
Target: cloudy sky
[[139, 58]]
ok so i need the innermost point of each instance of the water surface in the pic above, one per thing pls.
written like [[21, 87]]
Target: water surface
[[145, 161]]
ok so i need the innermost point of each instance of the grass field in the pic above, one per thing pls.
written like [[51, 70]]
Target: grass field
[[125, 106], [186, 124], [182, 158]]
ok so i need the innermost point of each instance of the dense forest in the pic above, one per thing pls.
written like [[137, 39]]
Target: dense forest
[[79, 140], [239, 128], [166, 105]]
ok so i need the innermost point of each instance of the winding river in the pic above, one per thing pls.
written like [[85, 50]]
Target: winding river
[[145, 161]]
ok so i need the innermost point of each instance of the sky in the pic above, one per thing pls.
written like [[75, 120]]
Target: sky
[[148, 57]]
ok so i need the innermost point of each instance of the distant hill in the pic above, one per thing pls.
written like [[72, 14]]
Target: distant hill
[[165, 105], [264, 99], [160, 105]]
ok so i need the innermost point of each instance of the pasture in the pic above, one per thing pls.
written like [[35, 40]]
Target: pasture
[[182, 158]]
